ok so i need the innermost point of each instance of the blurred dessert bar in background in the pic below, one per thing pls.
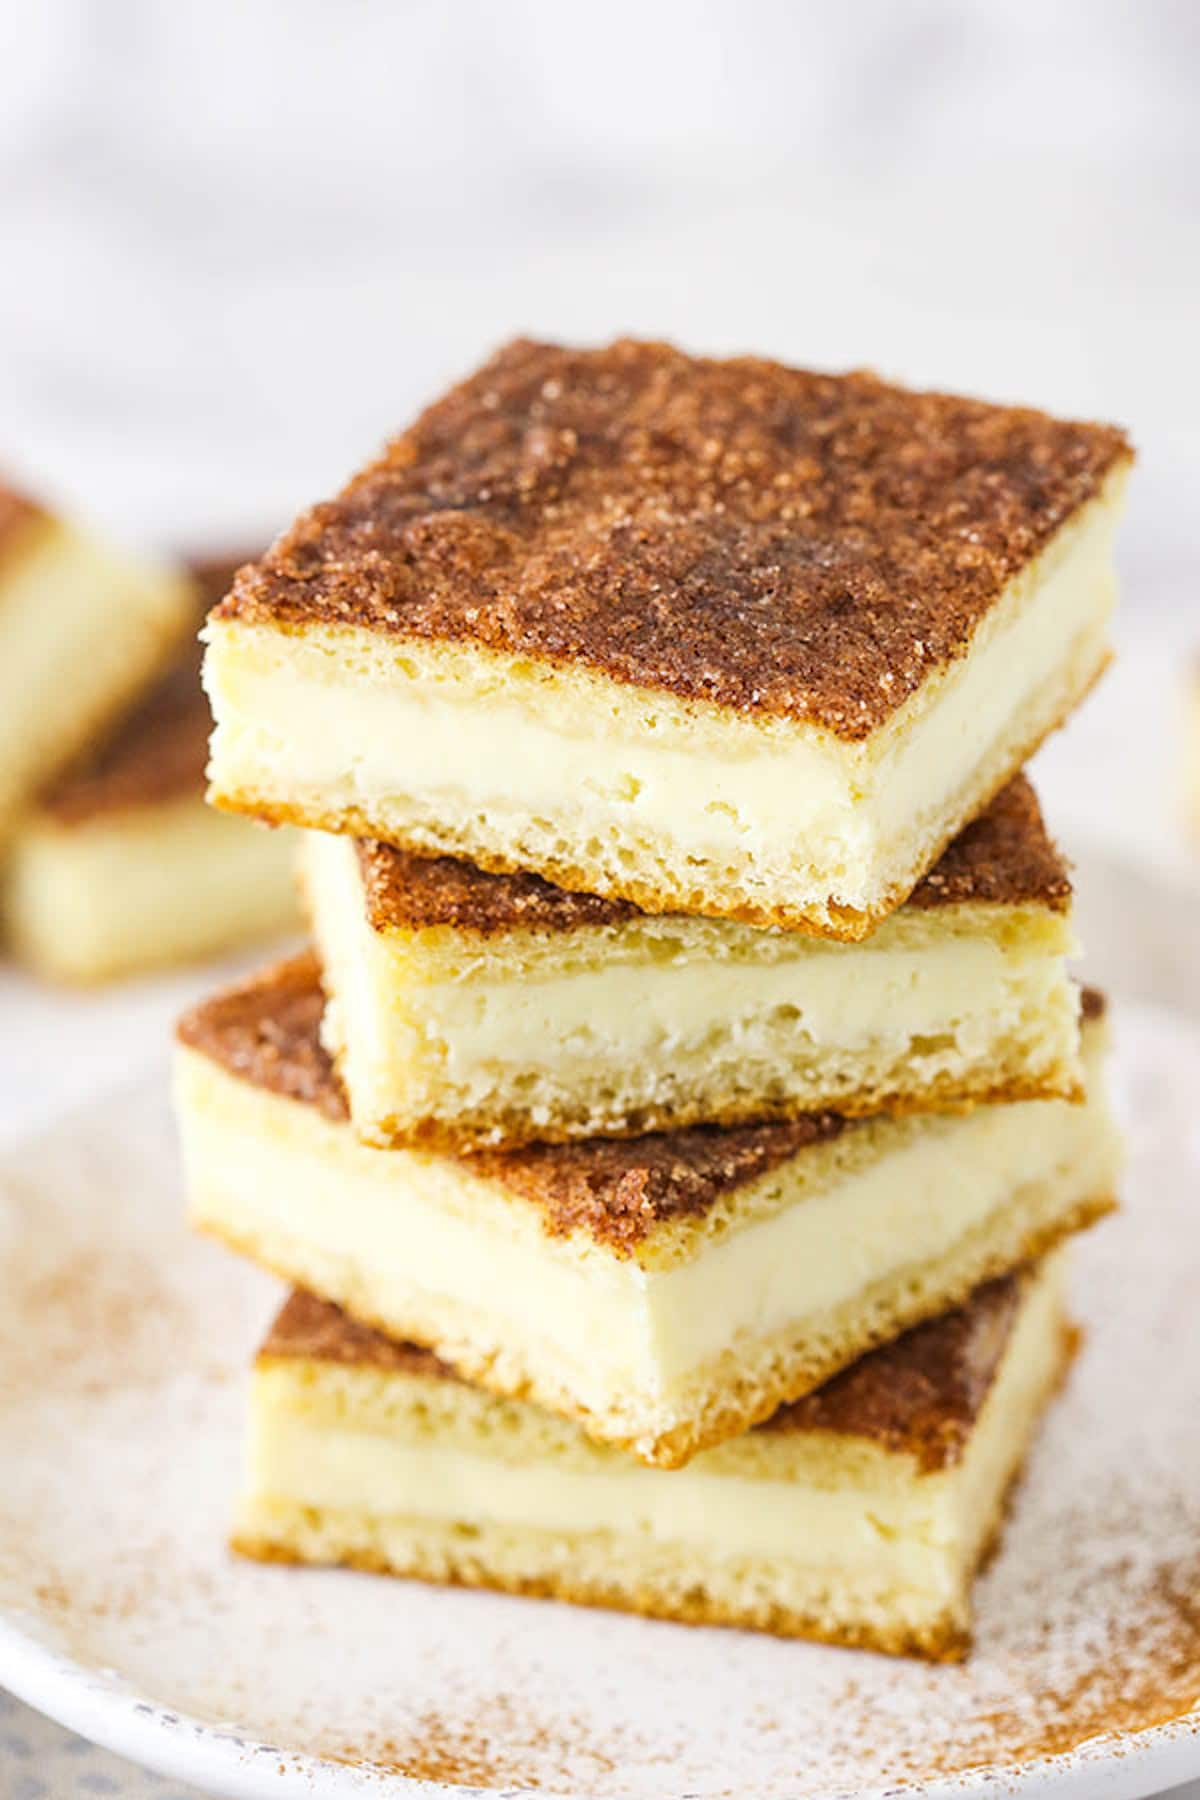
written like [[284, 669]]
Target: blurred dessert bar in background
[[117, 865], [83, 629]]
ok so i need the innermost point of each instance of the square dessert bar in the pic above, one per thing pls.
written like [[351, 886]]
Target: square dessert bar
[[715, 637], [857, 1515], [667, 1291], [472, 1009], [82, 629], [118, 865]]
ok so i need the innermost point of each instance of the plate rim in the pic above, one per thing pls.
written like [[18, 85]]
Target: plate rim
[[1115, 1766]]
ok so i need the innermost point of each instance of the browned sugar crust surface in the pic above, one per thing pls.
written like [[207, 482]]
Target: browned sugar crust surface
[[919, 1395], [1006, 857], [17, 513], [777, 541], [159, 750], [318, 1331], [267, 1031]]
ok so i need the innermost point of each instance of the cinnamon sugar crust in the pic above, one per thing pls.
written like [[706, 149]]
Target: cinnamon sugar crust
[[17, 514], [317, 1331], [777, 541], [1006, 857], [917, 1396], [921, 1394], [158, 751], [408, 892], [619, 1190], [267, 1031]]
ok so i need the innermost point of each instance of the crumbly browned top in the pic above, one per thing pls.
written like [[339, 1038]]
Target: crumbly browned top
[[619, 1190], [1006, 857], [922, 1393], [406, 892], [266, 1031], [320, 1332], [17, 511], [159, 750], [774, 540], [919, 1395]]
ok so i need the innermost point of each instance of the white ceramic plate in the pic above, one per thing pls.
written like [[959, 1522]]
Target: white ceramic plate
[[123, 1348]]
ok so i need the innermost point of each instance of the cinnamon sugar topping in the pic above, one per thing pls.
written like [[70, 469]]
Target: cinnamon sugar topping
[[781, 542]]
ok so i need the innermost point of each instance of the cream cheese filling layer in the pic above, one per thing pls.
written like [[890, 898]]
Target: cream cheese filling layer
[[395, 1226], [317, 1465], [973, 992], [872, 1514], [975, 988], [336, 715]]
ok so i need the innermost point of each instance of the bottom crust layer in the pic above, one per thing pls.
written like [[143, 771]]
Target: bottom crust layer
[[584, 1572], [507, 1127]]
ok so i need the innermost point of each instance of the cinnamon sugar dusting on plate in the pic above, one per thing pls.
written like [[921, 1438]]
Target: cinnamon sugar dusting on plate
[[494, 1745], [121, 1446]]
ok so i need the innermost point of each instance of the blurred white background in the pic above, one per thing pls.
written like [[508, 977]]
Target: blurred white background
[[243, 239]]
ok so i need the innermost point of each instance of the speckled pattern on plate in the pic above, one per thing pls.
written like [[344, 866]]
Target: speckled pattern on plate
[[122, 1361]]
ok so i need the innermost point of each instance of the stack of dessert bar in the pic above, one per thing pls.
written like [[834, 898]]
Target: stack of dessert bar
[[109, 860], [671, 1135]]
